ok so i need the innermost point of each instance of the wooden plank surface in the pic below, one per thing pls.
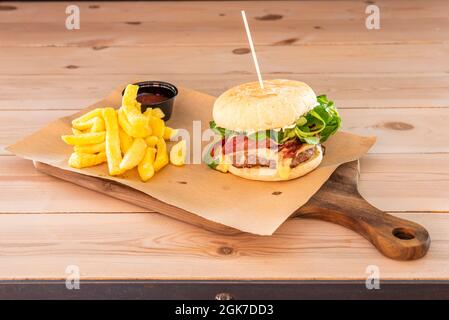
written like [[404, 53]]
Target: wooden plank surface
[[292, 11], [151, 246], [364, 90], [226, 30], [274, 59], [391, 82]]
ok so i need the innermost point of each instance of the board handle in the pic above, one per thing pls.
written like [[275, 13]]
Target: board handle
[[339, 201]]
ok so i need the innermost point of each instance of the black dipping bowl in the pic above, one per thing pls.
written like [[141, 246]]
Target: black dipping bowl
[[164, 91]]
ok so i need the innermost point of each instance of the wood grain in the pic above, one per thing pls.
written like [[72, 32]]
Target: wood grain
[[338, 201], [274, 59], [151, 246], [406, 182], [374, 91], [184, 11], [175, 30]]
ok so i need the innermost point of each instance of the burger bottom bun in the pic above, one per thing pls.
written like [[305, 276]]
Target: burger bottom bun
[[267, 174]]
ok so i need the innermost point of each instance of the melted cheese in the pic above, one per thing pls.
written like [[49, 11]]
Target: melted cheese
[[223, 165], [284, 169]]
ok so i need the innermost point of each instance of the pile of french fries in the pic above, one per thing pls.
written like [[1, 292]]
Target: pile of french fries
[[125, 138]]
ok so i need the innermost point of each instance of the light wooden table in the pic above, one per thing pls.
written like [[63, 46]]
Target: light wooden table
[[392, 82]]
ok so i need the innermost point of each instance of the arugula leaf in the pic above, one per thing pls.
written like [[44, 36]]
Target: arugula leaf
[[330, 115], [321, 122], [217, 130], [312, 140], [288, 134], [211, 164], [301, 121], [260, 135]]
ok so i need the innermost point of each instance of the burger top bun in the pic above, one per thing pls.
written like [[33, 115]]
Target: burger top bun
[[247, 107]]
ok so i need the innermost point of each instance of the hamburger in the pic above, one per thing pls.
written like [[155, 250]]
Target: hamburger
[[270, 134]]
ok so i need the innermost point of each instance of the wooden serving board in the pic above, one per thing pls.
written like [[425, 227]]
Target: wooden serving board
[[338, 201]]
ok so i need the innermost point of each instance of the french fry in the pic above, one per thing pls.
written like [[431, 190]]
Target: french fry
[[151, 141], [76, 131], [130, 95], [97, 125], [161, 155], [86, 125], [145, 167], [133, 131], [132, 108], [91, 148], [124, 124], [157, 126], [135, 116], [113, 153], [125, 140], [158, 113], [169, 133], [87, 116], [84, 138], [82, 160], [178, 153], [147, 113], [134, 155]]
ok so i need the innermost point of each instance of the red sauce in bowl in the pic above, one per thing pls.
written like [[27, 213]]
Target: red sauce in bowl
[[156, 94], [151, 98]]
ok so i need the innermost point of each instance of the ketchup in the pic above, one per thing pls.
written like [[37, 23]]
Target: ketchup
[[151, 98]]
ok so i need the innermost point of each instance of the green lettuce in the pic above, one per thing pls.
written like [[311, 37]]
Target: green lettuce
[[317, 125], [218, 130]]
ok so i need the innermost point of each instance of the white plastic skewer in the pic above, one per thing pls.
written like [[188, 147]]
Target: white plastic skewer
[[253, 51]]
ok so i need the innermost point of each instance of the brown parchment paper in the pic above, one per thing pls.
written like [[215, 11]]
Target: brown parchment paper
[[246, 205]]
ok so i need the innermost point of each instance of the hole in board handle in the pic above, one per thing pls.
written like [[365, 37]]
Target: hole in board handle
[[403, 234]]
